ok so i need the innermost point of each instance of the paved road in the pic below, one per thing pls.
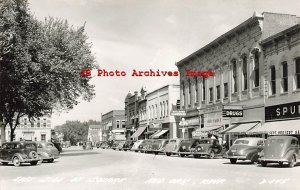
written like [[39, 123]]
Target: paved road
[[109, 169]]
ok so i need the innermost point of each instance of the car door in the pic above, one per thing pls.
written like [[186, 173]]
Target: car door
[[296, 148], [7, 152]]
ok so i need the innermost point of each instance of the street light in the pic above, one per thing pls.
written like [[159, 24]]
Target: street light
[[183, 123]]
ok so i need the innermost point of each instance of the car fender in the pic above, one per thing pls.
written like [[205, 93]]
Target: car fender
[[289, 155], [17, 155], [250, 154]]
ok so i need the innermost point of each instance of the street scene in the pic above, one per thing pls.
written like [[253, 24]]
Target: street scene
[[93, 169], [104, 94]]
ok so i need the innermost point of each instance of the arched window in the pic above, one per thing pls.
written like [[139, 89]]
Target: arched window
[[196, 90], [244, 73], [256, 69], [234, 75]]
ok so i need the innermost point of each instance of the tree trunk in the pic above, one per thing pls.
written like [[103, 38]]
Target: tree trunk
[[12, 131]]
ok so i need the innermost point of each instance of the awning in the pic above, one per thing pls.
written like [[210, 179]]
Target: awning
[[206, 129], [138, 132], [288, 127], [228, 128], [158, 134], [242, 128], [203, 132]]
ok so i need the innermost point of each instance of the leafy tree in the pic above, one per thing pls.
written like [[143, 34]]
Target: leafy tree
[[40, 63], [75, 131]]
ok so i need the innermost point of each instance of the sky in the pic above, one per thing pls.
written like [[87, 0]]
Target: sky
[[143, 35]]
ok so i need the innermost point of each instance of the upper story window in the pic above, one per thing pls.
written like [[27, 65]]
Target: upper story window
[[273, 80], [189, 91], [234, 76], [196, 90], [211, 95], [284, 79], [225, 90], [256, 69], [118, 124], [123, 124], [244, 76], [183, 93], [203, 89], [297, 72], [218, 92]]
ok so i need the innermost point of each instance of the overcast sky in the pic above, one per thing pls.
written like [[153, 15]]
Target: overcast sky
[[146, 34]]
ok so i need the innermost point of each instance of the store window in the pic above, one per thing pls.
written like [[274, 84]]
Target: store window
[[256, 69], [284, 79], [43, 137], [297, 72], [273, 80]]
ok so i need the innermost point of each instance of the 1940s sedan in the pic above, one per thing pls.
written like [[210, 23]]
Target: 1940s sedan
[[187, 146], [159, 145], [173, 146], [245, 149], [47, 151], [208, 148], [280, 149], [19, 152]]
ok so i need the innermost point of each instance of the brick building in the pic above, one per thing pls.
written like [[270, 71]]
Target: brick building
[[113, 125], [238, 63]]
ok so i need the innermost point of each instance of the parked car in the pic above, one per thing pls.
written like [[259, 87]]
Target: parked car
[[136, 145], [172, 147], [158, 145], [115, 145], [145, 145], [128, 145], [208, 148], [47, 151], [103, 145], [87, 145], [120, 145], [187, 146], [280, 149], [19, 152], [245, 149]]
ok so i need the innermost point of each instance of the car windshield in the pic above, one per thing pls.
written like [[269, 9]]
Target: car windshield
[[205, 142], [276, 141], [241, 142]]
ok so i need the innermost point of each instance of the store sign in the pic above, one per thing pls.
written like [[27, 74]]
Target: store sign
[[232, 111], [213, 119], [285, 132], [193, 121], [282, 111], [178, 113]]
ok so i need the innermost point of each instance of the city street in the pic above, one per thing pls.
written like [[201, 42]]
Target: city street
[[109, 169]]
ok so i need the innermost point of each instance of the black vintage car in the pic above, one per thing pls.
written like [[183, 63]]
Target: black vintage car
[[280, 149], [128, 145], [145, 145], [208, 148], [187, 146], [245, 149], [19, 152], [158, 146]]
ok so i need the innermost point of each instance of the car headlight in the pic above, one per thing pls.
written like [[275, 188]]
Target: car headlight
[[183, 147], [199, 148]]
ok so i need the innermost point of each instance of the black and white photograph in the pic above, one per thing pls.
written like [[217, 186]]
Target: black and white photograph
[[149, 94]]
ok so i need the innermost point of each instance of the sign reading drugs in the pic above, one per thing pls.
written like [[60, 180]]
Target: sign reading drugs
[[233, 111]]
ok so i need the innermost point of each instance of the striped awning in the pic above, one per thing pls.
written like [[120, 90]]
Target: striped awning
[[158, 134], [138, 132]]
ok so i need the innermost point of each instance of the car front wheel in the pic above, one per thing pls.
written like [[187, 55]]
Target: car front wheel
[[263, 163], [33, 163], [292, 162], [16, 161], [212, 154], [233, 161]]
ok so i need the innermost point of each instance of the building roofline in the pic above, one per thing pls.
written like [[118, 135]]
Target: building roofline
[[279, 34], [176, 85], [219, 39]]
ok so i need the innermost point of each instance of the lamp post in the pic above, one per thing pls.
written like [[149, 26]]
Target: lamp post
[[183, 123]]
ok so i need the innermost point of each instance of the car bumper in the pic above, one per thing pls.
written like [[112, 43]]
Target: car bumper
[[201, 153], [272, 160], [184, 153], [29, 160], [237, 157]]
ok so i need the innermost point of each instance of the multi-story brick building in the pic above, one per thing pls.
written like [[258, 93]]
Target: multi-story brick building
[[131, 113], [113, 125], [159, 106], [237, 60]]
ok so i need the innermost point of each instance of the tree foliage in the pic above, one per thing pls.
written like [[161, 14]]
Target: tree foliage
[[40, 62], [75, 131]]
